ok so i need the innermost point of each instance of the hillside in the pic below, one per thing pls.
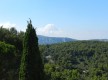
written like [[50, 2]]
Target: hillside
[[73, 60], [53, 40], [88, 59]]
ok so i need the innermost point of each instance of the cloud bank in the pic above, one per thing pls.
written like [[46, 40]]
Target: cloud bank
[[50, 30], [7, 25]]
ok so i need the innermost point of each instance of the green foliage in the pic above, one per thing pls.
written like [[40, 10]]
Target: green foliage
[[31, 63], [13, 37], [7, 60], [81, 60]]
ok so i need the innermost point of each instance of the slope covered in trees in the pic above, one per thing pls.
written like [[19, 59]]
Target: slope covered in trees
[[80, 60], [43, 40]]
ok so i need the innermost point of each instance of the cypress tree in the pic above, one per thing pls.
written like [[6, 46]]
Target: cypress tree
[[31, 67]]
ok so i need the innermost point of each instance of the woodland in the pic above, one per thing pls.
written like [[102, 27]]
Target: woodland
[[78, 60]]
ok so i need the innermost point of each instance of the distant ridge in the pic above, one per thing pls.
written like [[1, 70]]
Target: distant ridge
[[100, 40], [53, 40]]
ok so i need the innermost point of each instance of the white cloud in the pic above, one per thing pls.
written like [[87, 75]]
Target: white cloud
[[50, 30], [8, 25]]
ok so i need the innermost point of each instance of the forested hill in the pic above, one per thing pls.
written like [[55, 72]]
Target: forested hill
[[53, 40], [81, 60]]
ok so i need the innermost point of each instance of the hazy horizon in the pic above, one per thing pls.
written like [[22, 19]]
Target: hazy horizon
[[77, 19]]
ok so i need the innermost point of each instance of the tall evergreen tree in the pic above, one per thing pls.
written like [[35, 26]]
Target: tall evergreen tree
[[31, 67]]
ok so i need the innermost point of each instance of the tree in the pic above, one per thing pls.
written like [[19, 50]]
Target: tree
[[31, 67], [13, 31], [7, 60]]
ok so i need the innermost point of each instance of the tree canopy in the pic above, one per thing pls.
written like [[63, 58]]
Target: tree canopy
[[79, 60]]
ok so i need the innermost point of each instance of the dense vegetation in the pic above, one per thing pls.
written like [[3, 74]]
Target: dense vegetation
[[7, 61], [80, 60], [10, 45]]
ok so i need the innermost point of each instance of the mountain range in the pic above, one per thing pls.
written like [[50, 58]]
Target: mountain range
[[53, 40]]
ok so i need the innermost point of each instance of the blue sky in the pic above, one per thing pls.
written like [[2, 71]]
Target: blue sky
[[79, 19]]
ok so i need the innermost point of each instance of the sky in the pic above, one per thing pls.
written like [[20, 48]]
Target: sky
[[78, 19]]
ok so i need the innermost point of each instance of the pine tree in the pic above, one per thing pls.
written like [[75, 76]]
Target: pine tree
[[31, 67]]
